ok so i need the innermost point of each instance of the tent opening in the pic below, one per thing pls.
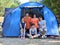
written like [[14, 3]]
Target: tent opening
[[31, 11]]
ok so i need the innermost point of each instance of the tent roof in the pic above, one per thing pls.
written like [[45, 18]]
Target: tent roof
[[31, 4]]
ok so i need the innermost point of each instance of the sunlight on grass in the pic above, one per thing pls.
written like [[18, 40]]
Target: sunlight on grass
[[1, 44], [53, 41]]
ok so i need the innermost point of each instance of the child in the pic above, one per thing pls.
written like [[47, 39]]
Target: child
[[23, 25], [32, 31], [42, 27], [35, 20]]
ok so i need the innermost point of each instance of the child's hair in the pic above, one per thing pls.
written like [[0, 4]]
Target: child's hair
[[41, 17], [22, 20], [32, 24]]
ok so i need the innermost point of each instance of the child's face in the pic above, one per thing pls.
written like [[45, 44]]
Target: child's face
[[22, 20], [40, 18], [27, 14], [33, 26], [34, 16]]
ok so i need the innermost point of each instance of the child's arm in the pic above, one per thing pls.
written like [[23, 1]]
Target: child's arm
[[35, 31], [30, 31], [25, 26], [39, 25], [20, 25]]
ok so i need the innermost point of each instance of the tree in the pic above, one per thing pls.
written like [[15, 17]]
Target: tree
[[33, 0], [7, 4]]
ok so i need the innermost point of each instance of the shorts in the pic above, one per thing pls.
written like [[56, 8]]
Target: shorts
[[27, 31], [42, 31], [33, 34]]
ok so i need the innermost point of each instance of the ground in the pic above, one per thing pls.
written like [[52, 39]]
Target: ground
[[18, 41]]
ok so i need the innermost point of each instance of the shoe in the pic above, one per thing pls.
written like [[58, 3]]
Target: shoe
[[45, 36], [42, 37], [22, 37]]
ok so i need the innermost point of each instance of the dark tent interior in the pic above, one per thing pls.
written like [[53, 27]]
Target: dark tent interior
[[32, 10]]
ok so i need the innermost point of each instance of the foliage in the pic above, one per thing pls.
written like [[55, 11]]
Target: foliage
[[7, 4], [54, 5], [33, 0]]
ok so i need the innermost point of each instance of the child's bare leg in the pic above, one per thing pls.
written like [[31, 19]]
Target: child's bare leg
[[44, 34], [22, 33], [45, 30], [29, 35], [36, 35]]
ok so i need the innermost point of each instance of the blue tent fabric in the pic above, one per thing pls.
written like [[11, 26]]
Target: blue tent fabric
[[8, 11], [31, 4], [11, 24], [51, 20]]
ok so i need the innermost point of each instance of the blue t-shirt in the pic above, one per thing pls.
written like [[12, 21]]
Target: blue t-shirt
[[33, 30], [42, 23]]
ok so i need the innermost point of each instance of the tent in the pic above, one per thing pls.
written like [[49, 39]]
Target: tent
[[11, 24]]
